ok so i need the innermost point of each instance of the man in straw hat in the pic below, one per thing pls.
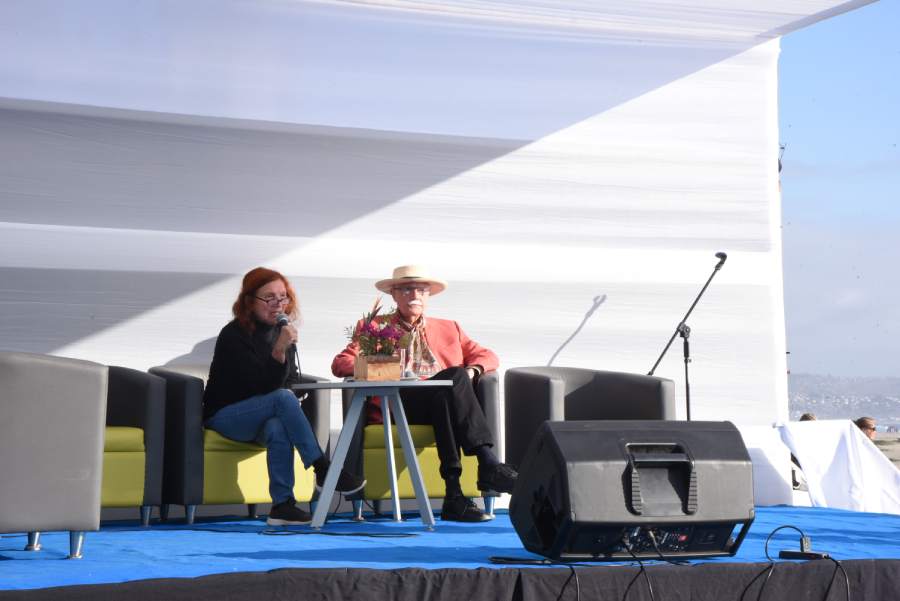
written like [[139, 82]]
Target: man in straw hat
[[439, 349]]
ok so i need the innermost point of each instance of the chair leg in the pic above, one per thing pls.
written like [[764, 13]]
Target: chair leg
[[76, 544], [189, 513], [252, 513], [358, 510], [164, 512], [34, 541], [313, 503], [146, 510], [489, 505]]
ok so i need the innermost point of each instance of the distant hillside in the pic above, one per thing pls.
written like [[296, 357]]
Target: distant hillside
[[831, 397]]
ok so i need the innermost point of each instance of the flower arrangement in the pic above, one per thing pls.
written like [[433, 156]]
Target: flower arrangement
[[375, 334]]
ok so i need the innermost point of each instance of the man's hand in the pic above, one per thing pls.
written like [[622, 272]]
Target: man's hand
[[473, 373]]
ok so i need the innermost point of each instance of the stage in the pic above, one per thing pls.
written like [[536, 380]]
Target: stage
[[380, 559]]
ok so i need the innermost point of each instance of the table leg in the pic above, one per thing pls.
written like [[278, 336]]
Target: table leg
[[337, 462], [391, 460], [412, 462]]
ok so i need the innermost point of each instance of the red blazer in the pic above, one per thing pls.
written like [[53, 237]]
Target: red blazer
[[446, 340]]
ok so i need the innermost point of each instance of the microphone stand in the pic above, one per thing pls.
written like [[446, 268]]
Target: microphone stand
[[293, 350], [683, 330]]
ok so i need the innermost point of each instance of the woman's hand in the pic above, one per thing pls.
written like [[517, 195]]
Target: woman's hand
[[286, 338]]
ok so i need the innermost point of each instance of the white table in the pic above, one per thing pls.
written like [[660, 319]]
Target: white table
[[389, 391]]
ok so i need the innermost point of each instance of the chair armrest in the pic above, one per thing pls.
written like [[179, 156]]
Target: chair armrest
[[138, 399], [183, 456], [532, 396], [487, 389]]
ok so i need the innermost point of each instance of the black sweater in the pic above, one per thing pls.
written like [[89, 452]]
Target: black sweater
[[243, 367]]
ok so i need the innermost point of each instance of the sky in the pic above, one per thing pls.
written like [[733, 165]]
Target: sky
[[839, 113]]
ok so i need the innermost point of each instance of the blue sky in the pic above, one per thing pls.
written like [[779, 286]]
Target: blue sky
[[839, 96]]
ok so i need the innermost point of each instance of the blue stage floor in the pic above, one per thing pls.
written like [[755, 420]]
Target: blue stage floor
[[122, 551]]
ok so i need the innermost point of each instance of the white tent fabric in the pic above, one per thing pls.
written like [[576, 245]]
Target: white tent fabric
[[534, 154], [843, 468], [771, 461]]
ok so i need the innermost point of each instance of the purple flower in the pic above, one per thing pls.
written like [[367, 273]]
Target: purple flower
[[389, 332]]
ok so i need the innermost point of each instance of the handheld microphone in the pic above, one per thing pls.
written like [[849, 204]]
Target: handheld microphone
[[282, 320], [721, 257]]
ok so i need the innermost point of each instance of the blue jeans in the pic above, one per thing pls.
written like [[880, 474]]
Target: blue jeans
[[275, 421]]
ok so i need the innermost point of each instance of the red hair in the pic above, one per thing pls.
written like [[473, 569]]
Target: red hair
[[253, 281]]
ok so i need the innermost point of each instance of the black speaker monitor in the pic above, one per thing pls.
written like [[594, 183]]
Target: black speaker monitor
[[613, 490]]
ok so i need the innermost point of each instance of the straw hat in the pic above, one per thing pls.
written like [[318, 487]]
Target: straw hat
[[411, 274]]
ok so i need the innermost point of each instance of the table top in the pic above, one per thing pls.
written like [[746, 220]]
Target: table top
[[357, 384]]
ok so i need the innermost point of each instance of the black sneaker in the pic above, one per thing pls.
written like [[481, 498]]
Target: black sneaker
[[499, 478], [347, 483], [462, 509], [287, 514]]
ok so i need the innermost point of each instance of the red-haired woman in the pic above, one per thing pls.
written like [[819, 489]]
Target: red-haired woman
[[248, 396]]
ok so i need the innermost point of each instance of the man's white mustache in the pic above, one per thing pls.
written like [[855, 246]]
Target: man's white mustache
[[415, 302]]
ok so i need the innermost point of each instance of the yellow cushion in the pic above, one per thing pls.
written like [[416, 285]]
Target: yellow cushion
[[123, 438], [373, 436], [236, 472], [375, 464], [378, 486], [213, 441], [123, 479]]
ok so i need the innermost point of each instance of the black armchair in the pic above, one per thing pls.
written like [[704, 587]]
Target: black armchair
[[134, 439], [537, 394]]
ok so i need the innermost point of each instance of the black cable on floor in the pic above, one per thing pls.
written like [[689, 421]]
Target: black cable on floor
[[643, 571], [765, 582], [525, 561], [530, 561], [269, 532], [768, 574], [573, 575], [375, 511], [772, 533], [577, 585], [838, 566]]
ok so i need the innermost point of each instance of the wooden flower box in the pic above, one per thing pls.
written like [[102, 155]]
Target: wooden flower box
[[377, 368]]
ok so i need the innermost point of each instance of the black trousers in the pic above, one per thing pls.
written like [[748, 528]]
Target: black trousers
[[454, 413]]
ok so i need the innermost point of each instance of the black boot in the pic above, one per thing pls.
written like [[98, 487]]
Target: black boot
[[347, 483]]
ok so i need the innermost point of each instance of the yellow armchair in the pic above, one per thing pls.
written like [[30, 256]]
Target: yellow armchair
[[205, 468], [368, 447]]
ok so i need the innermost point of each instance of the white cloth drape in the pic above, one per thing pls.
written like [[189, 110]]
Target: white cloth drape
[[843, 468]]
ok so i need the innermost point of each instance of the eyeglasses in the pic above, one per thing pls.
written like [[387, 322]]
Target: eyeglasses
[[274, 301], [408, 290]]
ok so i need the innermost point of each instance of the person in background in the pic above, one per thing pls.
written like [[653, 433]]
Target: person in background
[[440, 350], [248, 395], [808, 417], [867, 425]]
